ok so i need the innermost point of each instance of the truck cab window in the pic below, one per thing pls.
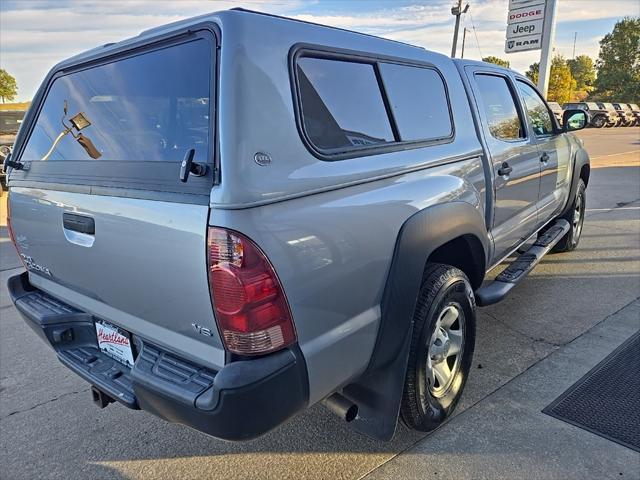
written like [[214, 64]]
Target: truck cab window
[[537, 110], [499, 107]]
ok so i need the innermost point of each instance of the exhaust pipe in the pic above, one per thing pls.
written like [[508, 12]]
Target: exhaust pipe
[[341, 406]]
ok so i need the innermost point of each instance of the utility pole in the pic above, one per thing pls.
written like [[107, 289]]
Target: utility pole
[[457, 11], [464, 38], [575, 37], [547, 46]]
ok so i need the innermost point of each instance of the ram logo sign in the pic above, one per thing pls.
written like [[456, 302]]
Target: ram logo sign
[[522, 44]]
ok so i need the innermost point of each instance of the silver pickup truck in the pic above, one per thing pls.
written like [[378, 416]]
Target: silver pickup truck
[[230, 218]]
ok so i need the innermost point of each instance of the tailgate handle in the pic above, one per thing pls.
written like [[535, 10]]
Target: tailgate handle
[[79, 223]]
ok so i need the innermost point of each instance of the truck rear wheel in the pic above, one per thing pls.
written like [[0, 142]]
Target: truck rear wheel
[[441, 349], [598, 122]]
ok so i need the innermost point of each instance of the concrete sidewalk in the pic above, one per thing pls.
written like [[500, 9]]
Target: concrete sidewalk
[[506, 436]]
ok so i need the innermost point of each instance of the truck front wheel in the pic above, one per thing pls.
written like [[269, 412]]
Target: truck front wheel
[[441, 347], [598, 122]]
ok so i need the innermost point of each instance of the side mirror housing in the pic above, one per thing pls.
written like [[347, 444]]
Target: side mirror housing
[[573, 120]]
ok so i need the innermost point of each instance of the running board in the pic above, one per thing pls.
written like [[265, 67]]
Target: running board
[[496, 290]]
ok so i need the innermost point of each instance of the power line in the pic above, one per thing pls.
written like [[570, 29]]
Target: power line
[[476, 35]]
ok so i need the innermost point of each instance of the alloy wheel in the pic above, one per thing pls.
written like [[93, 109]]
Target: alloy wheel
[[445, 350]]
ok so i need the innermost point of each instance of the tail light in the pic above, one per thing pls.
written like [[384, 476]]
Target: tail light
[[251, 309], [10, 229]]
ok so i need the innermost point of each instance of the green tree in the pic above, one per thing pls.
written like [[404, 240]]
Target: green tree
[[583, 70], [618, 63], [496, 60], [532, 73], [8, 86], [561, 82]]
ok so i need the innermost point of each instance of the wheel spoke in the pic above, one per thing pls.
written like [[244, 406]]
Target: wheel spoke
[[442, 373], [455, 337], [431, 378], [449, 317]]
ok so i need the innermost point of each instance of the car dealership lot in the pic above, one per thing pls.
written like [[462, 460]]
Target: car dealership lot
[[569, 314]]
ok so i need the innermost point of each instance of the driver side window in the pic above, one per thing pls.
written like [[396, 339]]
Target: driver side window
[[537, 110]]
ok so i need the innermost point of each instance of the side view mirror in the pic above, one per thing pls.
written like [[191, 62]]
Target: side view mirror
[[573, 120]]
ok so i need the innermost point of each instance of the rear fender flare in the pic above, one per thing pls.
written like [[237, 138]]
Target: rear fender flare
[[581, 159], [378, 392]]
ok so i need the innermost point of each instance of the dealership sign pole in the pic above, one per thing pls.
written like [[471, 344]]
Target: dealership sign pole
[[530, 26]]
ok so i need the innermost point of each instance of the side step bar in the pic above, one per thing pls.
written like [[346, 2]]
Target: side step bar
[[496, 290]]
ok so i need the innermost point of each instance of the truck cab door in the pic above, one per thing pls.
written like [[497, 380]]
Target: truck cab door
[[554, 150], [513, 156]]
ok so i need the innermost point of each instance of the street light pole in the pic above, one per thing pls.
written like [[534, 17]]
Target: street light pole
[[457, 11]]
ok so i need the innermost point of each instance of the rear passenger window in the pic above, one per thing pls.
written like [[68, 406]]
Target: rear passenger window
[[342, 105], [418, 101], [500, 108], [153, 106]]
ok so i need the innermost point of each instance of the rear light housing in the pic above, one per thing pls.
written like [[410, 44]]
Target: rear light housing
[[10, 229], [251, 309]]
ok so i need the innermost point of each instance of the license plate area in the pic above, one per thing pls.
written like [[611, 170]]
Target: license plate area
[[114, 342]]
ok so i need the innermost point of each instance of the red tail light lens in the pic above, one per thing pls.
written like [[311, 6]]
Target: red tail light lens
[[251, 309], [11, 234]]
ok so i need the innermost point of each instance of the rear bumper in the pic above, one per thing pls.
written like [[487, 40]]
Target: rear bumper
[[241, 401]]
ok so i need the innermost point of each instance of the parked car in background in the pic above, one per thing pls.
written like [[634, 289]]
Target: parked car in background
[[10, 121], [627, 119], [236, 230], [599, 116], [636, 113], [614, 116], [557, 111]]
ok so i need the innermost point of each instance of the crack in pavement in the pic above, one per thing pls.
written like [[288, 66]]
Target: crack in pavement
[[67, 394], [612, 209], [508, 326]]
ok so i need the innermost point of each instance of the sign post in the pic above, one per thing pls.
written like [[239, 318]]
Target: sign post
[[547, 42]]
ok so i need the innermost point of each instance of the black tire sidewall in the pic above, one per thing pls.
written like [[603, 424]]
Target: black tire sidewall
[[580, 191], [426, 412]]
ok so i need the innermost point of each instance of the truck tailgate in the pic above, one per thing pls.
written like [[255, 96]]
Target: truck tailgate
[[143, 268]]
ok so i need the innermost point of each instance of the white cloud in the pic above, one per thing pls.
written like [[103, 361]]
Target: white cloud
[[34, 35]]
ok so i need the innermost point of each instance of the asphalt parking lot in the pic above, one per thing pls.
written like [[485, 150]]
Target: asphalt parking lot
[[571, 312]]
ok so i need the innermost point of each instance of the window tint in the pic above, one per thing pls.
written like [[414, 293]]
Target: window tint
[[536, 110], [418, 100], [342, 105], [150, 107], [500, 108]]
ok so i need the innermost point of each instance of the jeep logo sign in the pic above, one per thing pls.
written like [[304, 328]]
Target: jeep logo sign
[[525, 28]]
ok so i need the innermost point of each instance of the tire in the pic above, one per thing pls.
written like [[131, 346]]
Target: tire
[[598, 121], [429, 398], [575, 217]]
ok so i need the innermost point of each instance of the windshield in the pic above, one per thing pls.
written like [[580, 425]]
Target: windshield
[[150, 107]]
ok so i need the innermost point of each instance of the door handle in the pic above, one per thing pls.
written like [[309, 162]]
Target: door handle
[[544, 158], [79, 223], [505, 169]]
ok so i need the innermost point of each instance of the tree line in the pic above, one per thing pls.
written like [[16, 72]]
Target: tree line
[[613, 77]]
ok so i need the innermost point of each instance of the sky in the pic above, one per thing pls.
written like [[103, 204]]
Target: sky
[[36, 34]]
